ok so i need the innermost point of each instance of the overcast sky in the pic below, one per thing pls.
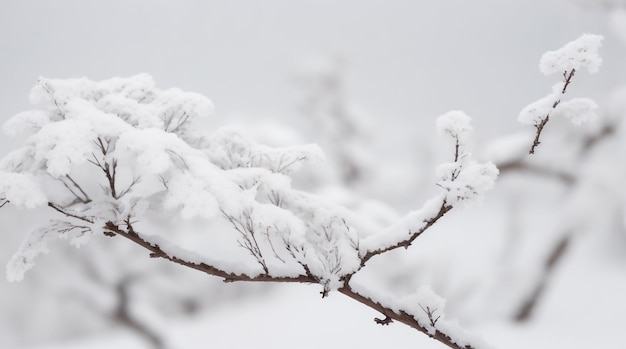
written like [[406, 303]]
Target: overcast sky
[[406, 62]]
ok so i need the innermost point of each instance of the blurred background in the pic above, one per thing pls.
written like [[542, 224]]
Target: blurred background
[[540, 263]]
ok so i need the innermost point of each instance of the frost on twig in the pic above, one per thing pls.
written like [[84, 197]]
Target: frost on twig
[[571, 58], [37, 242]]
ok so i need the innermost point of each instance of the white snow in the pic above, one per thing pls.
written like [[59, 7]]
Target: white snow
[[577, 54], [455, 124], [577, 110], [22, 190], [536, 112]]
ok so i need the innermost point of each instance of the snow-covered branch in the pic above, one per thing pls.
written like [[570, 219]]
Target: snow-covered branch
[[136, 152], [575, 55], [461, 180], [411, 312]]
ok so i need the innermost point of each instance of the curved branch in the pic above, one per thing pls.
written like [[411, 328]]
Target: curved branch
[[567, 79], [443, 209], [403, 317], [157, 252], [390, 314]]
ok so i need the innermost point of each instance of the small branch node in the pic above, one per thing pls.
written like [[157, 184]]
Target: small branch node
[[386, 321]]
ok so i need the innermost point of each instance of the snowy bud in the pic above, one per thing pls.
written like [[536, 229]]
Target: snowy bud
[[577, 54], [455, 124]]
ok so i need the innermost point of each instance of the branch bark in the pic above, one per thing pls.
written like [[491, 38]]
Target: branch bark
[[403, 317]]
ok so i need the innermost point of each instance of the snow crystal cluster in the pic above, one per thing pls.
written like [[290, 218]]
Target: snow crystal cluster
[[571, 58], [106, 151], [463, 179], [577, 54]]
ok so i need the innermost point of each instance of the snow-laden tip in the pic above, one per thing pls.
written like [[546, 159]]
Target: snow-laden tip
[[577, 54]]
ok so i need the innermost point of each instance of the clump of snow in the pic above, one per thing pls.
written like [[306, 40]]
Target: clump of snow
[[190, 196], [536, 112], [577, 54], [455, 124], [28, 121], [578, 110], [466, 180], [22, 190]]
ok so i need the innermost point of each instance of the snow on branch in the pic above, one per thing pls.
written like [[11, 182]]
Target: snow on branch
[[461, 180], [423, 311], [574, 56], [37, 242], [134, 151]]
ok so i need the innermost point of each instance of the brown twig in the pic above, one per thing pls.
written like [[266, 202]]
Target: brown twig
[[567, 79], [445, 207], [156, 251], [403, 317], [390, 315], [63, 211]]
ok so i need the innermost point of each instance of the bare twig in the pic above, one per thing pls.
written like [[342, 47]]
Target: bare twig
[[431, 315], [84, 198], [269, 239], [50, 92], [539, 128], [282, 167], [181, 121], [129, 188], [249, 242]]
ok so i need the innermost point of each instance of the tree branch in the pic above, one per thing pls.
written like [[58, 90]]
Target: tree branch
[[567, 79], [403, 317], [389, 314], [68, 214], [445, 207], [157, 252]]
